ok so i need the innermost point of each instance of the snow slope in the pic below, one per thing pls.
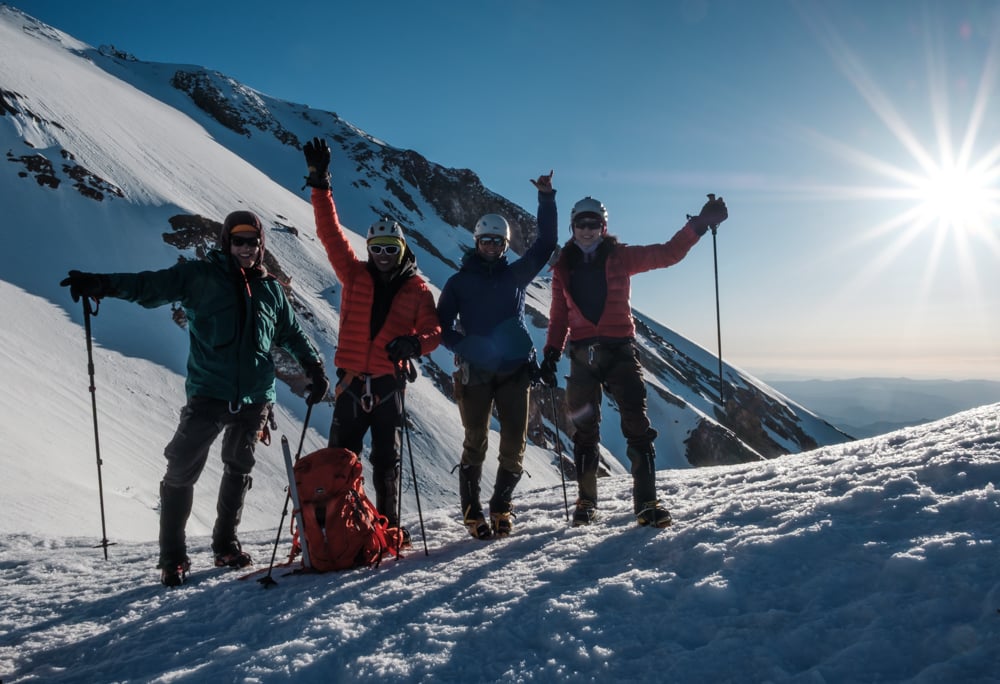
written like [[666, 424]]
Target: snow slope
[[871, 561]]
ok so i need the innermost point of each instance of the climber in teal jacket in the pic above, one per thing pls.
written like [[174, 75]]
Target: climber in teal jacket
[[236, 312]]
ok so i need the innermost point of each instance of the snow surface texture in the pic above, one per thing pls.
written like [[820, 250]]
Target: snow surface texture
[[869, 561], [872, 561]]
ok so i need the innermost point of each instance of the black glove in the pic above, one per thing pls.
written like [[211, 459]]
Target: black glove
[[403, 347], [712, 214], [547, 370], [80, 284], [317, 154], [318, 384]]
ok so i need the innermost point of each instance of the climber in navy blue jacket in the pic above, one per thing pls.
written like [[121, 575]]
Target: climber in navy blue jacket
[[481, 310]]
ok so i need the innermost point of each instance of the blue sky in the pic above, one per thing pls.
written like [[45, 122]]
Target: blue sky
[[821, 124]]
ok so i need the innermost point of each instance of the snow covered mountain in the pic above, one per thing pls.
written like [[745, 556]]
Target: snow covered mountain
[[873, 560], [114, 164]]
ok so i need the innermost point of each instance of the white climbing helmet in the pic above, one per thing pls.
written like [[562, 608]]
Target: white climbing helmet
[[588, 205], [492, 224], [386, 227]]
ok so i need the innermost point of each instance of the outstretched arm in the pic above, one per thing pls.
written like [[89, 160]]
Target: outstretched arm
[[338, 249], [535, 258], [646, 258]]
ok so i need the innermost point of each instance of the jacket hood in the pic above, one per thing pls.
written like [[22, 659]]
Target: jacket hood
[[571, 254], [472, 261]]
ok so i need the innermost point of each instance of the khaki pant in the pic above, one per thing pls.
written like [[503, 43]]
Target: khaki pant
[[476, 399]]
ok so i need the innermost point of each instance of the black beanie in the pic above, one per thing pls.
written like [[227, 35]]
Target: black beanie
[[239, 218]]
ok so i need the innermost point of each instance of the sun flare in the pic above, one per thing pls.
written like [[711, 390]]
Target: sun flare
[[955, 198], [948, 183]]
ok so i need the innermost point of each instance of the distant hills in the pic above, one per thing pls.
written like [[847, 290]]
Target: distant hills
[[864, 407]]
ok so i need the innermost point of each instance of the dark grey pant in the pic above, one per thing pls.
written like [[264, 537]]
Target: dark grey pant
[[384, 419], [202, 421], [613, 368]]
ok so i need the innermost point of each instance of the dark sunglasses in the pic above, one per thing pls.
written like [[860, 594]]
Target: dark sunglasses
[[388, 250], [239, 241], [492, 240], [589, 224]]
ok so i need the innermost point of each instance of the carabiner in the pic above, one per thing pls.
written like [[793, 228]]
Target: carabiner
[[367, 399]]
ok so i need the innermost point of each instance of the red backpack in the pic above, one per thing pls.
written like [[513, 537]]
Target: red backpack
[[338, 525]]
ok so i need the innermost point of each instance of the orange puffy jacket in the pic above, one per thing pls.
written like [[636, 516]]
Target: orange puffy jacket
[[412, 311]]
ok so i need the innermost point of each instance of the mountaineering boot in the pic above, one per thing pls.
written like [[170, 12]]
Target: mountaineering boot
[[233, 557], [233, 489], [501, 509], [174, 574], [386, 483], [643, 476], [654, 514], [502, 522], [475, 522], [585, 512], [472, 511], [175, 507], [586, 461]]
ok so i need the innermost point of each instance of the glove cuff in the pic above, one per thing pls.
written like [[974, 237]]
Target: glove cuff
[[320, 181], [698, 225]]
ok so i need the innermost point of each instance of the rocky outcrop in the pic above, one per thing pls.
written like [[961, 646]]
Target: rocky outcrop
[[458, 195], [232, 104]]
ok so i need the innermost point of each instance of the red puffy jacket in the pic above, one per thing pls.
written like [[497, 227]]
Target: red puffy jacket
[[623, 262]]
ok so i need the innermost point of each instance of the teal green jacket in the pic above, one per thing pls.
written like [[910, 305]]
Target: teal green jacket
[[233, 320]]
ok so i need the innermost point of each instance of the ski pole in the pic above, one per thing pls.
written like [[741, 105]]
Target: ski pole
[[562, 468], [718, 319], [410, 374], [87, 313], [267, 580]]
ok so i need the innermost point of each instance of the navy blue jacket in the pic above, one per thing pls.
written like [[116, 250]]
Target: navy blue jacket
[[481, 308]]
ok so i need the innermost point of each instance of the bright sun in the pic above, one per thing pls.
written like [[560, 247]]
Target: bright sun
[[952, 191], [955, 198]]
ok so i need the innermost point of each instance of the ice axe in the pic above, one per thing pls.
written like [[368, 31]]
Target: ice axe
[[267, 580]]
